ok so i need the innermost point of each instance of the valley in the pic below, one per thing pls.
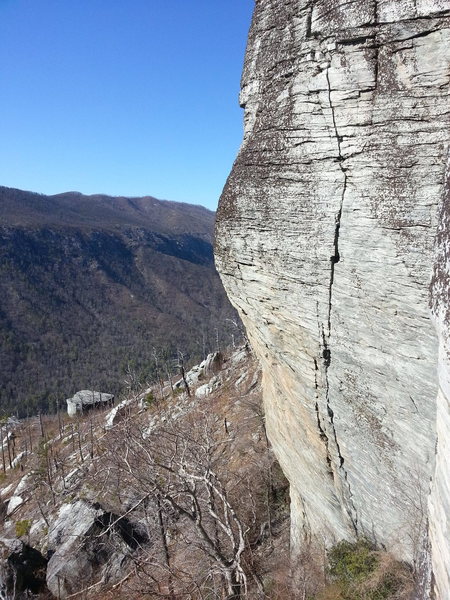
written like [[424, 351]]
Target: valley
[[95, 289]]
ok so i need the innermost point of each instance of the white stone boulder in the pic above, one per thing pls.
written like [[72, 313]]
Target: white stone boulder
[[207, 388], [14, 503], [117, 413], [23, 484], [89, 545], [5, 491], [87, 399], [202, 372]]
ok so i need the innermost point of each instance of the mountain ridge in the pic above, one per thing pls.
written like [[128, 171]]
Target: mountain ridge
[[90, 285], [119, 210]]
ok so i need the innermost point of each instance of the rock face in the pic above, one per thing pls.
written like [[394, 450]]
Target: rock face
[[324, 242], [440, 500]]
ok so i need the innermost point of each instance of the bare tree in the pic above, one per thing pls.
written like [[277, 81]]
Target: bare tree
[[239, 330], [131, 379], [171, 473], [158, 373], [180, 365]]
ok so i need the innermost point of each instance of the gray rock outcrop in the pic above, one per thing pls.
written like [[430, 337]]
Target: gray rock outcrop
[[117, 413], [89, 545], [199, 373], [87, 399], [324, 241]]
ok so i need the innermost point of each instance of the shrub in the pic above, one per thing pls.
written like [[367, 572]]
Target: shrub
[[351, 562], [23, 527], [149, 399], [359, 572]]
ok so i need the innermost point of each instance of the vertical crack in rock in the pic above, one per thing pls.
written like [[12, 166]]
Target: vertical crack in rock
[[376, 68], [326, 338], [323, 436]]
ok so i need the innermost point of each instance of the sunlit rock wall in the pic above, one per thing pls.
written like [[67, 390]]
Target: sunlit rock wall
[[324, 242]]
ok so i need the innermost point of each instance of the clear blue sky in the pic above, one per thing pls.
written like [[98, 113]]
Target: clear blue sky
[[123, 97]]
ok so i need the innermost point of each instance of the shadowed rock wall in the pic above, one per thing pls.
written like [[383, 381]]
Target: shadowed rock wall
[[440, 496], [324, 242]]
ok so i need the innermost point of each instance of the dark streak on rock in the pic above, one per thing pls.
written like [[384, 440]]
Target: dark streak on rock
[[334, 259], [355, 41]]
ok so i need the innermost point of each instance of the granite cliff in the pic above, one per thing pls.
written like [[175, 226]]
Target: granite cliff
[[325, 243]]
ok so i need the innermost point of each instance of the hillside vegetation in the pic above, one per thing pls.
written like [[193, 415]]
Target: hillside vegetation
[[92, 286], [173, 494]]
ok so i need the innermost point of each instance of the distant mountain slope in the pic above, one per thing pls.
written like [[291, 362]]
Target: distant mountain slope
[[89, 285], [22, 208]]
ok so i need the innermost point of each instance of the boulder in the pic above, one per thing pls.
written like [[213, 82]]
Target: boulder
[[87, 399], [13, 504], [116, 414], [89, 546], [24, 484], [207, 388]]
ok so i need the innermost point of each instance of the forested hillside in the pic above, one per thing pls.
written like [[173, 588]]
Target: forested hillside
[[92, 286]]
